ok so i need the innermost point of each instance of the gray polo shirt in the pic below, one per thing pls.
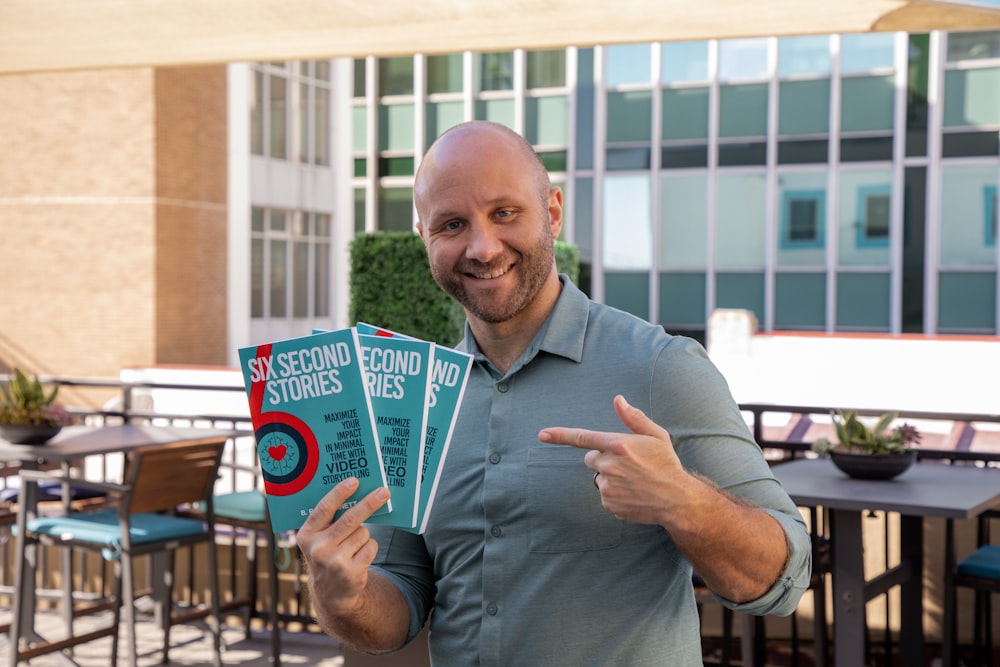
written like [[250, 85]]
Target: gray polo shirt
[[520, 564]]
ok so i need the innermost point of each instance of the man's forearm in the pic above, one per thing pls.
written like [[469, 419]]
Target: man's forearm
[[378, 623]]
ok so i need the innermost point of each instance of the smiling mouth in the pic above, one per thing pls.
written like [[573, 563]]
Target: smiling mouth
[[490, 275]]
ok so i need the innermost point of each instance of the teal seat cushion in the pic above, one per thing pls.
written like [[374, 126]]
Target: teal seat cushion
[[983, 562], [239, 505], [103, 529]]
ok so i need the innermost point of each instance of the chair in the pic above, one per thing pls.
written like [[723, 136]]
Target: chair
[[156, 481], [979, 571]]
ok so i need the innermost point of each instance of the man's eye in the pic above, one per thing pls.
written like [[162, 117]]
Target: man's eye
[[504, 214], [453, 225]]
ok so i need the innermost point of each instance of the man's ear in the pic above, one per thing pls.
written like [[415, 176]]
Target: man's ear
[[420, 229], [555, 211]]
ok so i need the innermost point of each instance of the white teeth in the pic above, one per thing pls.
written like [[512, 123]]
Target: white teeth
[[491, 275]]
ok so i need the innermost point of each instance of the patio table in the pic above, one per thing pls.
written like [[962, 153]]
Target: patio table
[[925, 490], [72, 444]]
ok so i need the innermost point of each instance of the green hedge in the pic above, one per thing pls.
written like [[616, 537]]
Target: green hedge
[[392, 287]]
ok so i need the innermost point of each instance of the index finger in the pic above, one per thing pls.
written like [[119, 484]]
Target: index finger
[[326, 509], [580, 438]]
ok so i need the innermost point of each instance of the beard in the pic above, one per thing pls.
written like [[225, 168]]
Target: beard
[[532, 267]]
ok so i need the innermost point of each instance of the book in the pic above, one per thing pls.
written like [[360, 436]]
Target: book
[[449, 376], [313, 422], [397, 371]]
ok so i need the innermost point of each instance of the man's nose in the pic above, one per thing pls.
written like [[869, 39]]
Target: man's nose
[[484, 242]]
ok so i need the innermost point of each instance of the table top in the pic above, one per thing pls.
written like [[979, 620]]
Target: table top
[[927, 489], [77, 441]]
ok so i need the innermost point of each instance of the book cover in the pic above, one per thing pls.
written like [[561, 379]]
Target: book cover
[[449, 376], [398, 372], [313, 422]]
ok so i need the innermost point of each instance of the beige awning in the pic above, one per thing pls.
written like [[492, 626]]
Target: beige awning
[[39, 35]]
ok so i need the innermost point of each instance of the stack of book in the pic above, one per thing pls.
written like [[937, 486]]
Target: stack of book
[[361, 402]]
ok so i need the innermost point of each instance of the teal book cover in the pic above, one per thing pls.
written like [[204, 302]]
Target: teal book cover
[[449, 376], [313, 422], [397, 371]]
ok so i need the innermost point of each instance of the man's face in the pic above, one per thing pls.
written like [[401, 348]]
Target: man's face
[[488, 225]]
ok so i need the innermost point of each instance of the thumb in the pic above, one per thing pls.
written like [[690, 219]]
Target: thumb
[[636, 420]]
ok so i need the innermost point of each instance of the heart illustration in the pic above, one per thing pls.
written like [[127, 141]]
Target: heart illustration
[[277, 452]]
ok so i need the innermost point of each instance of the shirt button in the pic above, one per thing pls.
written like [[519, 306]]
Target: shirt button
[[494, 458], [491, 609], [496, 531], [502, 387]]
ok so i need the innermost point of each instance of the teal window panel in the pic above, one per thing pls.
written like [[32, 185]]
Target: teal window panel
[[554, 161], [863, 301], [359, 210], [583, 217], [798, 55], [359, 129], [974, 46], [684, 62], [628, 291], [360, 167], [630, 116], [496, 71], [803, 219], [628, 63], [395, 209], [743, 110], [871, 227], [741, 210], [865, 52], [682, 300], [685, 113], [627, 159], [683, 216], [867, 103], [444, 73], [395, 76], [395, 166], [546, 120], [498, 111], [966, 210], [804, 107], [967, 302], [972, 97], [990, 223], [741, 290], [440, 116], [743, 59], [586, 98], [800, 301], [395, 127], [546, 69], [359, 77]]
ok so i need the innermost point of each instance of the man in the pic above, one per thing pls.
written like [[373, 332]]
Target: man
[[566, 522]]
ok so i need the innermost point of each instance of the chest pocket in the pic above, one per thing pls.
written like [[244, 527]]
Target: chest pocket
[[565, 507]]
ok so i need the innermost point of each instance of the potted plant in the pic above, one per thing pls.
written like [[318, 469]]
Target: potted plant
[[869, 453], [30, 415]]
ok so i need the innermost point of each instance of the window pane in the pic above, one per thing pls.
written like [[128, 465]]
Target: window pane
[[740, 203], [395, 209], [278, 279], [804, 107], [359, 77], [685, 113], [627, 237], [967, 302], [547, 120], [359, 127], [683, 212], [279, 121], [321, 126], [257, 115], [972, 97], [743, 110], [630, 116], [803, 55], [256, 278], [395, 76], [863, 301], [867, 104], [395, 127], [303, 121], [863, 229], [628, 291], [444, 73], [300, 272], [496, 71], [972, 46], [865, 52], [321, 276], [742, 59], [546, 69], [359, 210], [967, 196], [800, 301], [628, 63], [682, 300], [441, 116], [498, 111], [323, 70], [583, 218], [802, 219], [741, 290], [683, 62]]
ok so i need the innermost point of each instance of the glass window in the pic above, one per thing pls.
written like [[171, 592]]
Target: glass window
[[682, 300], [683, 216], [395, 209], [628, 291], [865, 52], [359, 129], [630, 116], [968, 196], [683, 62], [583, 218], [277, 278], [546, 120], [546, 69], [395, 76], [802, 218], [628, 237], [304, 111], [967, 302], [441, 116], [741, 290], [972, 97], [743, 59], [863, 301], [864, 222], [359, 77], [685, 113], [395, 127], [743, 110], [498, 111], [444, 73], [741, 212], [321, 126], [800, 301], [628, 63], [804, 55], [972, 46], [585, 102], [867, 103], [359, 210], [278, 110], [804, 107], [257, 112], [496, 71]]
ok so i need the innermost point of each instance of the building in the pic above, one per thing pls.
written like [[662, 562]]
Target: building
[[839, 183]]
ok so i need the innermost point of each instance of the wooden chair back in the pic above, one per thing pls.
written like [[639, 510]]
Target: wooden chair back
[[163, 477]]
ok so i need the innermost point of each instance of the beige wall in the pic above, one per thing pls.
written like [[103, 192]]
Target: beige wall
[[112, 219]]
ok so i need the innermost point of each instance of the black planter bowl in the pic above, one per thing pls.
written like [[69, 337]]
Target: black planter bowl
[[28, 434], [872, 466]]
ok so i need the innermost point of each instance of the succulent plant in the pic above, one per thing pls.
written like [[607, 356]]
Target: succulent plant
[[854, 437], [25, 400]]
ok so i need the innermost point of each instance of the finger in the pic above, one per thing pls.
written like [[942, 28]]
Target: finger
[[636, 420], [323, 513], [576, 437]]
